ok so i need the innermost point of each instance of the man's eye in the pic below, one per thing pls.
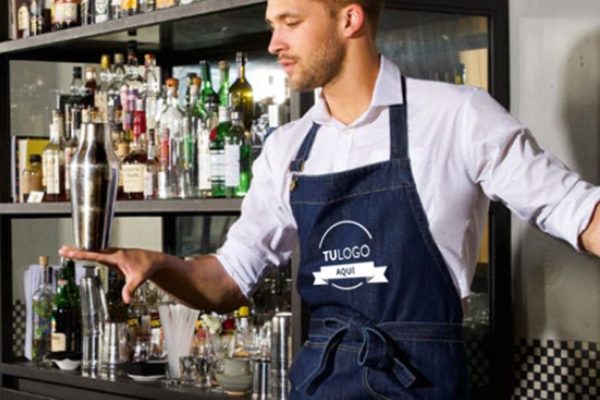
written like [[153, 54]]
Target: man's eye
[[292, 23]]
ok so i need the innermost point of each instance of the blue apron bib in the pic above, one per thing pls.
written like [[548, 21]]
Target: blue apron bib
[[386, 319]]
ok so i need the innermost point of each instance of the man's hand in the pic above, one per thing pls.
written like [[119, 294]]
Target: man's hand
[[589, 239], [137, 265], [201, 283]]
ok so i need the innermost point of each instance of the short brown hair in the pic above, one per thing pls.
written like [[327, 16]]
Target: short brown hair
[[372, 9]]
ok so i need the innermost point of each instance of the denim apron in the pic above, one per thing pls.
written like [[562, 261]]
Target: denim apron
[[386, 319]]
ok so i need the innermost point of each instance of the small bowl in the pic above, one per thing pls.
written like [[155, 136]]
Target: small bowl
[[67, 364], [234, 383]]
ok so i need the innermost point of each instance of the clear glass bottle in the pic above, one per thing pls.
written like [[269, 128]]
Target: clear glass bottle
[[101, 11], [237, 158], [123, 149], [224, 84], [23, 21], [151, 174], [53, 161], [74, 101], [152, 90], [101, 94], [134, 165], [36, 21], [171, 124], [87, 10], [204, 188], [42, 315], [71, 141], [115, 9], [90, 86], [115, 109], [217, 153], [66, 14], [189, 81], [242, 97], [132, 88], [146, 5], [32, 177]]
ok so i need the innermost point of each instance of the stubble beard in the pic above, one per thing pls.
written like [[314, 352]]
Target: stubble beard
[[322, 67]]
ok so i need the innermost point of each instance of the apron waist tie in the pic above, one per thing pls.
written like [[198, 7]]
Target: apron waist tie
[[377, 348]]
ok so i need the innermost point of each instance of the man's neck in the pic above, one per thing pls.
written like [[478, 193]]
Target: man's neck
[[350, 94]]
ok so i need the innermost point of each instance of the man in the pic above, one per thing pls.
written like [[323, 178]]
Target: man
[[384, 184]]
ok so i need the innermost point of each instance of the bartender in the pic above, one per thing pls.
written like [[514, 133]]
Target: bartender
[[384, 184]]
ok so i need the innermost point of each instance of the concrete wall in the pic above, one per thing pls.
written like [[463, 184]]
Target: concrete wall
[[555, 90]]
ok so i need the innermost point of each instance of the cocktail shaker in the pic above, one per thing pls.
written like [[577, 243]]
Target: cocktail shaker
[[94, 180]]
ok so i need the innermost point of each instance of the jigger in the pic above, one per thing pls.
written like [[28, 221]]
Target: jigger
[[94, 180]]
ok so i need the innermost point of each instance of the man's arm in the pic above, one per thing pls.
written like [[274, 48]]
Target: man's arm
[[589, 240], [201, 283]]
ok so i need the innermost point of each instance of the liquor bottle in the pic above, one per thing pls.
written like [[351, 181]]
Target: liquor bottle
[[134, 165], [204, 174], [189, 81], [75, 302], [242, 97], [66, 14], [86, 9], [23, 21], [460, 74], [129, 7], [152, 89], [42, 315], [190, 159], [146, 5], [90, 87], [132, 87], [217, 153], [63, 315], [101, 94], [237, 159], [32, 177], [151, 174], [53, 161], [207, 94], [171, 123], [47, 15], [115, 109], [36, 20], [122, 151], [75, 99], [71, 141], [224, 84], [117, 310], [115, 9], [102, 10]]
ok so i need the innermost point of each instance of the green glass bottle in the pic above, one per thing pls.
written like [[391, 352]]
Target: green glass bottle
[[207, 94], [242, 97], [224, 84], [63, 315], [42, 316], [217, 153], [237, 158]]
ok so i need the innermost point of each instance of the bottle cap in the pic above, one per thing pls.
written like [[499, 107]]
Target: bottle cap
[[172, 82], [119, 58], [223, 65], [35, 158], [43, 261], [77, 72], [148, 58], [105, 61], [90, 70], [197, 81], [244, 311]]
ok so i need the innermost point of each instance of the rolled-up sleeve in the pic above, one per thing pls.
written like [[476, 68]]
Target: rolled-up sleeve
[[506, 161], [265, 233]]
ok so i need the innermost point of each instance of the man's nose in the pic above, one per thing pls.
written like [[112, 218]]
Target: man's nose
[[276, 44]]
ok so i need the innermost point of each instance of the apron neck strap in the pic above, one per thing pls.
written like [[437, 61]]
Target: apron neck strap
[[398, 135]]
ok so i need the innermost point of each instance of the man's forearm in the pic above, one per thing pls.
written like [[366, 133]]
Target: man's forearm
[[589, 240], [201, 283]]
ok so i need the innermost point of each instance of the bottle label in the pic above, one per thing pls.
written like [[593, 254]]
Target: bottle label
[[163, 189], [23, 19], [101, 11], [101, 103], [133, 178], [217, 165], [58, 342], [52, 173], [149, 184], [232, 165], [204, 173], [66, 12]]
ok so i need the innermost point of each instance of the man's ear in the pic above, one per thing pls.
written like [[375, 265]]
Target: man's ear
[[352, 20]]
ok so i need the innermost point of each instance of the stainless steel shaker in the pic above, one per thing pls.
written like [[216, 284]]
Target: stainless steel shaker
[[281, 355], [94, 180]]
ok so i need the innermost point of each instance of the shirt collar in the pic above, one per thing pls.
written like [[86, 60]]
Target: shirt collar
[[387, 91]]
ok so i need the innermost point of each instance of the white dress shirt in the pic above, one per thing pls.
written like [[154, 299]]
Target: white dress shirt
[[464, 149]]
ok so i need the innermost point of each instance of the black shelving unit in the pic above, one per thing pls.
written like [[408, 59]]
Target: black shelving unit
[[179, 36]]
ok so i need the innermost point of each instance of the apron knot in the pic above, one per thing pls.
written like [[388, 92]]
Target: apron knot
[[377, 351]]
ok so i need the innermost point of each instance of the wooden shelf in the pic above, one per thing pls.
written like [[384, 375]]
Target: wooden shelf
[[132, 208], [56, 383], [200, 25]]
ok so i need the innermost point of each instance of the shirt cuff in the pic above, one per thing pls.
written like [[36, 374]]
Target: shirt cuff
[[242, 265]]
